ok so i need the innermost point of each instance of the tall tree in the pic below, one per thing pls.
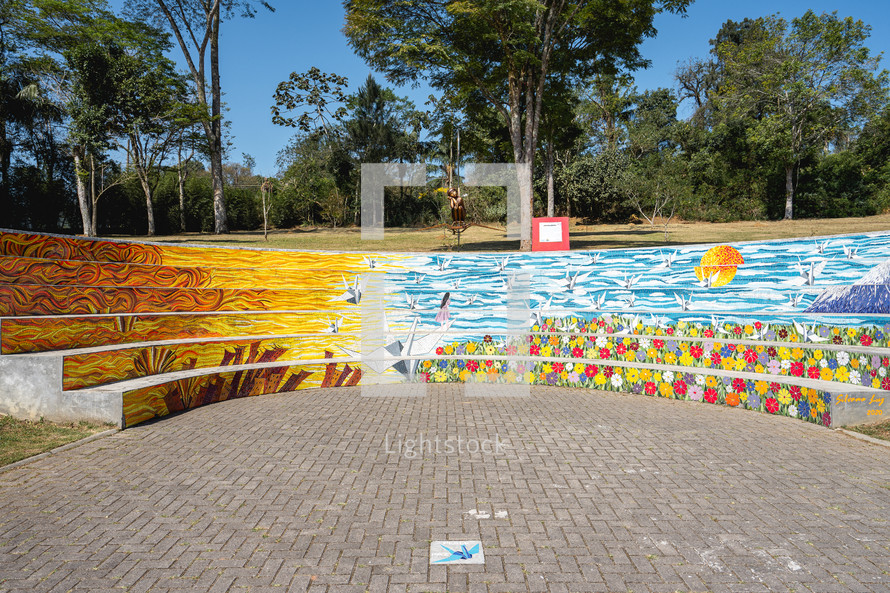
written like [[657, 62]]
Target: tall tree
[[801, 85], [196, 24], [505, 49]]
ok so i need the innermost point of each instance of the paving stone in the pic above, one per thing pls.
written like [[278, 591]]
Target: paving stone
[[603, 492]]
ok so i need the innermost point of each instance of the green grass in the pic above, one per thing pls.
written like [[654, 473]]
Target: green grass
[[878, 431], [582, 236], [20, 439]]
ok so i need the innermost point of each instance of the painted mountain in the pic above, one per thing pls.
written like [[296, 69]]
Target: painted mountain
[[869, 294]]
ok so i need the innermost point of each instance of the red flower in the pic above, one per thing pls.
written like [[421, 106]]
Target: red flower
[[680, 387], [634, 346], [772, 405], [605, 353], [757, 325], [750, 356], [716, 358], [711, 395], [473, 365], [772, 351], [535, 350], [885, 383], [709, 333], [610, 329], [774, 387], [658, 343], [601, 323], [837, 340], [558, 367], [440, 350], [591, 370], [487, 339], [738, 385], [651, 388], [797, 369], [577, 352], [621, 349], [885, 361], [794, 390], [737, 330], [488, 363], [424, 377], [826, 419], [608, 372], [669, 331], [813, 372], [696, 351], [873, 374], [865, 340]]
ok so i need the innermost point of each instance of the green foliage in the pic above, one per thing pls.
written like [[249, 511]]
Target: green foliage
[[590, 182]]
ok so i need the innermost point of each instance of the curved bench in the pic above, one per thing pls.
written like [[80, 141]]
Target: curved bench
[[124, 332]]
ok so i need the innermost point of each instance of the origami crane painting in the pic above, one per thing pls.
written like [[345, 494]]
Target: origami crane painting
[[462, 554]]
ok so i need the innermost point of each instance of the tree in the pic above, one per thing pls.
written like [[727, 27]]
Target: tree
[[504, 49], [801, 87], [196, 24]]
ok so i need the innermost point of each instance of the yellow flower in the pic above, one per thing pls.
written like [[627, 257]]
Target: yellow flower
[[820, 405], [537, 340], [670, 358], [489, 349], [591, 353], [535, 328], [547, 368], [811, 362], [563, 375], [784, 353], [427, 364], [529, 377], [658, 332], [645, 374], [729, 363], [666, 389], [681, 325], [784, 397], [797, 353], [876, 383], [510, 376], [743, 396], [684, 346], [711, 381], [758, 348], [761, 387], [449, 349], [632, 375], [630, 356], [758, 368], [471, 347], [546, 352], [651, 352], [826, 374], [749, 329], [693, 332], [740, 364], [657, 375], [811, 396], [794, 338], [817, 355], [842, 374], [686, 360], [464, 375], [438, 376], [600, 379], [740, 347], [851, 332]]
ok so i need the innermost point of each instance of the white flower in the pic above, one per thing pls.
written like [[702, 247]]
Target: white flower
[[863, 361], [882, 372], [823, 363], [645, 343], [786, 364], [842, 358], [855, 378], [700, 380], [602, 341], [668, 377], [792, 411], [617, 380]]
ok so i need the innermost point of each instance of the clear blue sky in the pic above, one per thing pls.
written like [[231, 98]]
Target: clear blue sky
[[257, 54]]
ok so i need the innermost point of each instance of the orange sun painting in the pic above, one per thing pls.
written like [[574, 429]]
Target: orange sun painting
[[718, 265]]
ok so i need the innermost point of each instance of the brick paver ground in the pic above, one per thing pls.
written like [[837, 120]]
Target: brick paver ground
[[603, 492]]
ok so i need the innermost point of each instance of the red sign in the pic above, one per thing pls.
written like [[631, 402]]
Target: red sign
[[550, 234]]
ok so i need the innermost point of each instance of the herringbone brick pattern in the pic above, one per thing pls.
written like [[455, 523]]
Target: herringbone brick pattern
[[603, 492]]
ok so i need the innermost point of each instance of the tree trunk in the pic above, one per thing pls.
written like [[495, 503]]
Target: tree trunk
[[220, 221], [181, 199], [149, 210], [551, 190], [789, 191], [82, 196], [94, 200]]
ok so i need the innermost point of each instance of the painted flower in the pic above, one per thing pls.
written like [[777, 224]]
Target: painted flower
[[680, 387], [668, 376], [487, 339], [473, 365], [813, 372], [440, 350], [650, 388], [617, 380], [577, 352], [772, 405], [803, 408], [865, 340], [753, 402], [696, 393], [600, 379], [774, 367], [632, 375], [732, 399], [666, 389], [826, 419], [855, 377], [750, 356], [711, 395]]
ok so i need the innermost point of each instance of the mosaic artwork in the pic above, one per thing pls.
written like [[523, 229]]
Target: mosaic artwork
[[784, 327]]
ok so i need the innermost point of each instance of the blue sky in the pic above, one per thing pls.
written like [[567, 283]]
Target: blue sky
[[256, 54]]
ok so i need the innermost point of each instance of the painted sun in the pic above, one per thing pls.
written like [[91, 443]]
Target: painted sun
[[719, 264]]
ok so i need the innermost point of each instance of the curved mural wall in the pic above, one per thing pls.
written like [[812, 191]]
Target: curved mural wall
[[127, 332]]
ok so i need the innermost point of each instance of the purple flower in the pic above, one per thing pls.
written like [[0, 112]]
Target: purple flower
[[552, 378], [753, 401], [763, 358], [695, 393], [637, 388], [774, 367]]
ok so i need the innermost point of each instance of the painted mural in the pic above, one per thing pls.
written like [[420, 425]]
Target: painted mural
[[780, 327]]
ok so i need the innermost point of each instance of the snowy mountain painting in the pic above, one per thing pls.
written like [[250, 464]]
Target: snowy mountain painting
[[869, 294]]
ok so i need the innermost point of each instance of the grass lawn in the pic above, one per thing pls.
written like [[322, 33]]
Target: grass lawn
[[20, 438], [583, 236], [878, 431]]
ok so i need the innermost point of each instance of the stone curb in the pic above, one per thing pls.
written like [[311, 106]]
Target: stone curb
[[59, 449], [860, 436]]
